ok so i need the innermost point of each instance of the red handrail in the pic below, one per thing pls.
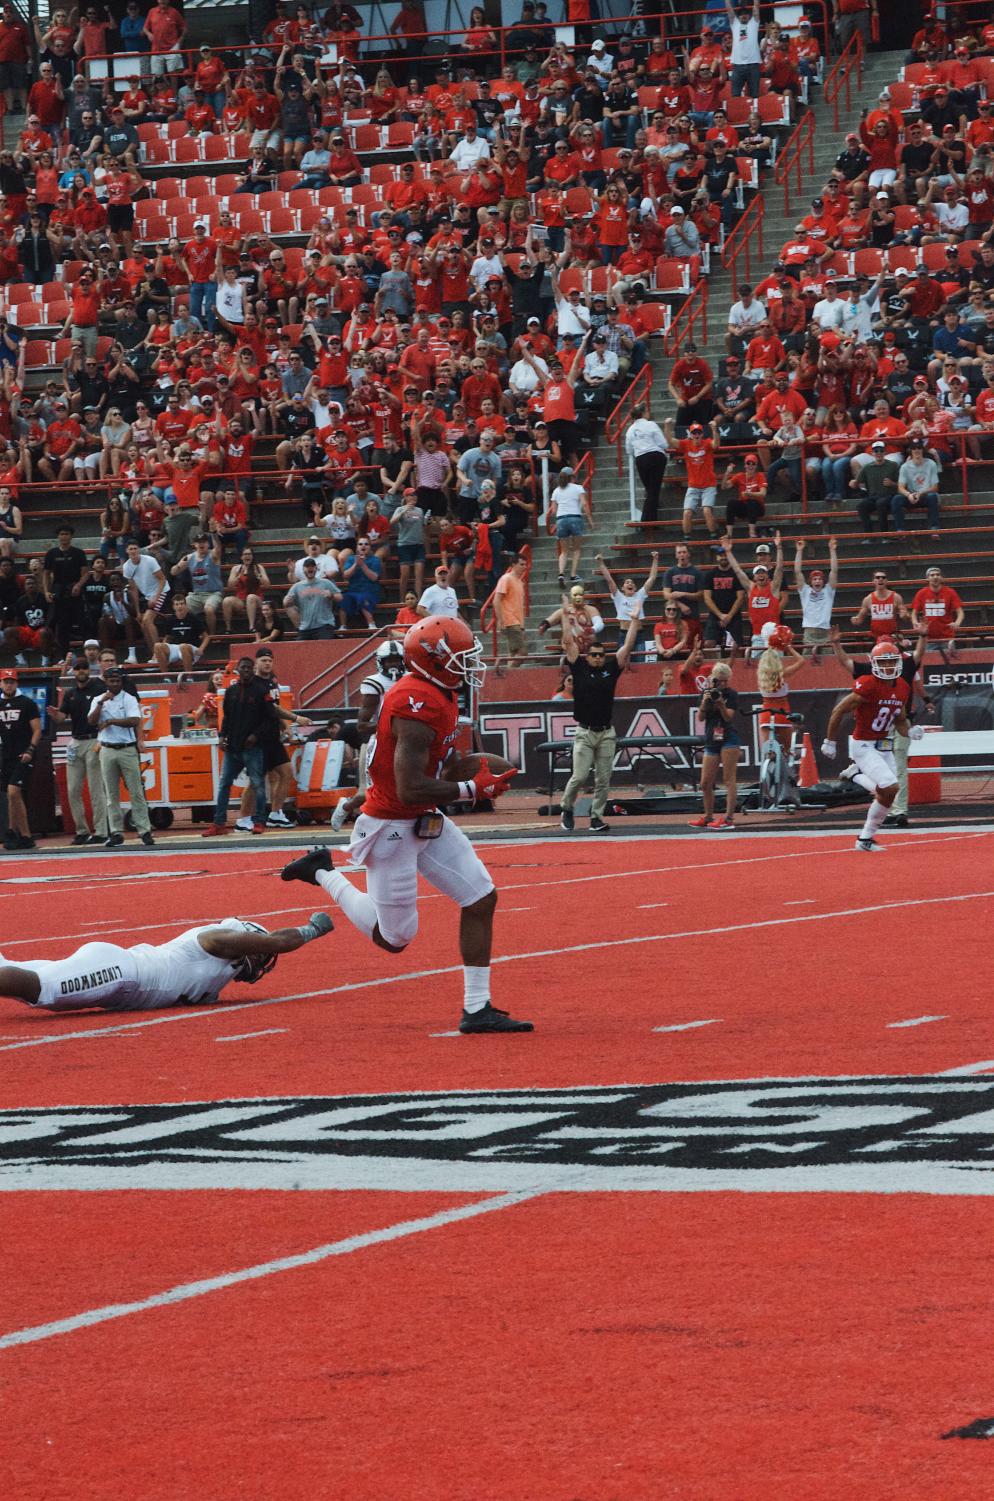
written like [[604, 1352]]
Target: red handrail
[[792, 156], [839, 76], [692, 310], [739, 241], [638, 388]]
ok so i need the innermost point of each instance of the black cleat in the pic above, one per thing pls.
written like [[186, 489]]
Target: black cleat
[[896, 821], [598, 826], [306, 867], [566, 819], [492, 1020]]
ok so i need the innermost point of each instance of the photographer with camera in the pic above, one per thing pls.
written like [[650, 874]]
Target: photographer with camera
[[722, 742]]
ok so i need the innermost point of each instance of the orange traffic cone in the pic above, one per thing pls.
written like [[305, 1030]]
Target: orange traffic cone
[[808, 775]]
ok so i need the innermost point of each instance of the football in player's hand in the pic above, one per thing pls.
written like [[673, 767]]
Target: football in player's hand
[[465, 768]]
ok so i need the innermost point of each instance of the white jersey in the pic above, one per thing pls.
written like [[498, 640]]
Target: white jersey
[[142, 978], [375, 686]]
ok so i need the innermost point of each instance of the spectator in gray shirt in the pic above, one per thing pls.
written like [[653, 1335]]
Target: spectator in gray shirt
[[296, 378], [315, 600], [409, 522], [475, 466], [917, 485], [683, 238], [314, 164], [395, 293]]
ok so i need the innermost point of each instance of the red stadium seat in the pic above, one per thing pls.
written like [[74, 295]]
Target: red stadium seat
[[226, 184], [672, 275], [868, 262], [579, 201], [366, 138], [216, 149], [283, 221], [655, 316], [155, 153], [38, 353], [23, 291], [400, 134], [168, 187], [186, 149], [249, 220], [29, 315], [570, 279], [901, 257], [266, 202]]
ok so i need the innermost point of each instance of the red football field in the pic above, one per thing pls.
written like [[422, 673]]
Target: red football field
[[527, 1269]]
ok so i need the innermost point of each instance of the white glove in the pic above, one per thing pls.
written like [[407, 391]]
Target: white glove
[[916, 732], [828, 749]]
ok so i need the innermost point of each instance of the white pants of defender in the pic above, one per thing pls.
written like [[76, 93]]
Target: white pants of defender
[[878, 766], [393, 857]]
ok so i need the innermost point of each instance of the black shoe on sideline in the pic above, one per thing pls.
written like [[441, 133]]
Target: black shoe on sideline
[[566, 819], [24, 842], [492, 1020], [306, 867], [113, 841], [82, 839], [896, 821], [598, 826], [148, 841], [97, 839]]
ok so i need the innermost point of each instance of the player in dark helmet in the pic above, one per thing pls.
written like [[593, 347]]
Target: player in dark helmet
[[190, 970]]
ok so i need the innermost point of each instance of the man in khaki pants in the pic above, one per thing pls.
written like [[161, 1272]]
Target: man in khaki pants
[[118, 717], [83, 764], [595, 676]]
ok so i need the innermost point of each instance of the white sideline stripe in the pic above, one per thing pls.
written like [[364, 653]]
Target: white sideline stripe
[[917, 1021], [804, 901], [618, 875], [968, 1068], [186, 1290], [241, 1036], [452, 969], [444, 1034], [650, 906], [688, 1026]]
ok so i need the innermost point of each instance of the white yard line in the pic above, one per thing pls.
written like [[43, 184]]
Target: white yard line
[[917, 1021], [688, 1026], [967, 1068], [554, 953], [187, 1290], [241, 1036]]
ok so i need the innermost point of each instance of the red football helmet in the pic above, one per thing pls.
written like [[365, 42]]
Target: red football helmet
[[885, 661], [781, 638], [445, 651]]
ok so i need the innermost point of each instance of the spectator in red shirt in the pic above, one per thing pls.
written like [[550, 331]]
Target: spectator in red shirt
[[691, 386], [46, 98], [937, 611], [199, 264], [15, 52], [165, 28]]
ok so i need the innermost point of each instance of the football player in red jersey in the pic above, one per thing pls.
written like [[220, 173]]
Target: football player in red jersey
[[880, 704], [400, 833]]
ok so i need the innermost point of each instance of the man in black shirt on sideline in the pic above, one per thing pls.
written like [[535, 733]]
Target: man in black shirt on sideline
[[83, 759], [248, 712], [20, 731], [595, 676], [65, 571]]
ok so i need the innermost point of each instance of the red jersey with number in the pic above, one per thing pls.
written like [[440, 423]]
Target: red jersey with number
[[937, 607], [411, 697], [763, 607], [880, 703]]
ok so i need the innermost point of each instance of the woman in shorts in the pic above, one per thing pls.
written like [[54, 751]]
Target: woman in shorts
[[722, 743]]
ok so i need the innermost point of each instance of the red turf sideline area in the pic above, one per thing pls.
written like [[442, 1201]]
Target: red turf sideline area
[[616, 1347]]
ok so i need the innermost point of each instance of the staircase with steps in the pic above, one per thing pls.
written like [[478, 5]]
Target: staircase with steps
[[965, 550]]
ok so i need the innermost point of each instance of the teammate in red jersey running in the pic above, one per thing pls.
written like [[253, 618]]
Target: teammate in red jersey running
[[400, 833], [880, 704]]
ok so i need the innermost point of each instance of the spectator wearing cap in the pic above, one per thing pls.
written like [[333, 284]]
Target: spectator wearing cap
[[952, 341], [917, 486], [745, 494], [409, 521], [314, 164], [877, 480], [682, 239], [600, 374], [744, 318], [951, 210], [853, 165]]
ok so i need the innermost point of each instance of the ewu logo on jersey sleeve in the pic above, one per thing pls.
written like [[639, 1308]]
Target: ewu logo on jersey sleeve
[[854, 1135]]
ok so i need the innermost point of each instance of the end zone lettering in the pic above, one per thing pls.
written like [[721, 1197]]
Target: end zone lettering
[[871, 1135]]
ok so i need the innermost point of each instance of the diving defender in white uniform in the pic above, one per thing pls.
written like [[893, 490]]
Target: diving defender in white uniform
[[190, 970]]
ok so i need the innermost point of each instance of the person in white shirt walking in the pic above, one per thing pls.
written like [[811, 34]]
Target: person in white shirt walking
[[439, 598], [647, 445], [569, 508], [817, 597], [118, 716], [746, 55]]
